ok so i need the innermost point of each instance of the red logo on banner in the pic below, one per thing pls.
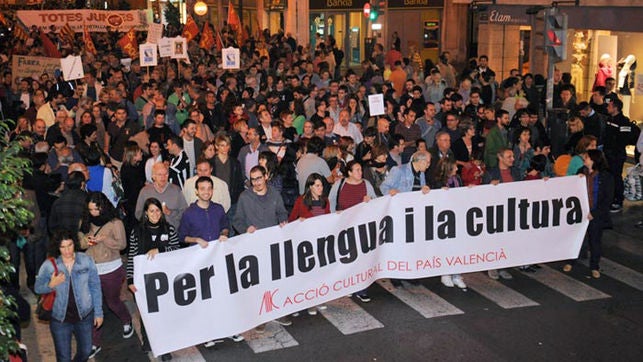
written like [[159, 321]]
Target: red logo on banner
[[115, 20], [267, 302]]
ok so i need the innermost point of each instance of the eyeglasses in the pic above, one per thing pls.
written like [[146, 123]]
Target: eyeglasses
[[256, 179]]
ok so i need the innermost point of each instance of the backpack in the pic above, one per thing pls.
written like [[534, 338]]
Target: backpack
[[633, 190]]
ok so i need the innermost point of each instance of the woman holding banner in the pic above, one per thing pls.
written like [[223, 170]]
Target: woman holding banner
[[311, 203], [348, 192], [153, 235], [600, 187]]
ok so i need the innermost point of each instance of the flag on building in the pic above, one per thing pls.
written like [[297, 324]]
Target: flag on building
[[68, 33], [233, 19], [190, 29], [207, 37], [129, 44], [87, 39]]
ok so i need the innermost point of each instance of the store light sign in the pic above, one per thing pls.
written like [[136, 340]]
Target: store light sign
[[506, 15]]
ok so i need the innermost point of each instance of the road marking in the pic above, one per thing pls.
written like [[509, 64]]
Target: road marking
[[497, 292], [349, 317], [620, 272], [566, 285], [274, 337], [422, 300]]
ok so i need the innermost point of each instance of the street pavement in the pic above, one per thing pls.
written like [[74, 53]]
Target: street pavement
[[546, 315]]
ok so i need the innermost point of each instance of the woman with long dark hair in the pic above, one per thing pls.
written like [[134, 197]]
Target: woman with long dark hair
[[153, 235], [600, 189], [311, 203], [78, 306], [102, 233]]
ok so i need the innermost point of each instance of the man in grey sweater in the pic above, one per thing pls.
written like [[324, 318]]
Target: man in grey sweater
[[260, 207]]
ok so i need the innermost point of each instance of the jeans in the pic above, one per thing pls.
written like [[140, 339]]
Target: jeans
[[111, 286], [61, 333]]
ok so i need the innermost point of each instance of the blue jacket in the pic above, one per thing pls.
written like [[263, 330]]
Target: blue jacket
[[401, 179], [86, 282]]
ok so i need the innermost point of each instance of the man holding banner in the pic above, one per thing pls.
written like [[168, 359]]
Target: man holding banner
[[260, 207]]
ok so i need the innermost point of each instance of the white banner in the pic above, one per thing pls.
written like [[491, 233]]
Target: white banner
[[250, 279], [96, 20]]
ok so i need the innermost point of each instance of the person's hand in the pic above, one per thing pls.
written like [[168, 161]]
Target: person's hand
[[202, 243], [367, 198], [223, 237], [590, 217], [152, 253], [132, 288], [393, 192], [546, 178], [98, 321], [251, 229], [56, 279], [426, 189], [283, 223], [494, 182], [166, 210], [302, 218]]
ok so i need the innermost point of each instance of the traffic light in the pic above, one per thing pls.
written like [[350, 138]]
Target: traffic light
[[556, 35], [375, 12]]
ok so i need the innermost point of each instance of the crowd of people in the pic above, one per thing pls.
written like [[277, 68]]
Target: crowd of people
[[129, 162]]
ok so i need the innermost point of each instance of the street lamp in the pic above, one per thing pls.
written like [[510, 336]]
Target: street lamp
[[200, 8]]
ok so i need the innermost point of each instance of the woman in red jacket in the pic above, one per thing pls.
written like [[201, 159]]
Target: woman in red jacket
[[311, 203]]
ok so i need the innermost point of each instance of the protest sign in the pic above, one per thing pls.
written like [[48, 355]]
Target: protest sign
[[26, 66], [72, 67], [148, 55], [231, 58]]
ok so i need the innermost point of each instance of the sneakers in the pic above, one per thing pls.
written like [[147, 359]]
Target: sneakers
[[493, 274], [128, 331], [596, 274], [457, 280], [447, 281], [363, 297], [296, 314], [527, 268], [505, 275], [567, 268], [312, 311], [260, 328], [284, 321], [212, 343], [616, 208], [95, 350], [639, 225], [237, 338]]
